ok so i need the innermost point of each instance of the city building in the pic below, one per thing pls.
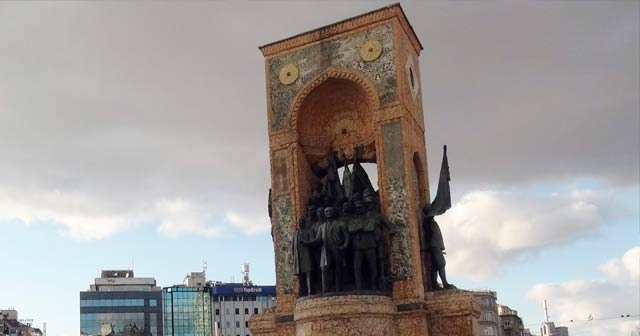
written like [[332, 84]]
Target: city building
[[510, 323], [488, 312], [119, 304], [548, 328], [233, 304], [10, 325], [199, 307], [195, 279], [187, 307]]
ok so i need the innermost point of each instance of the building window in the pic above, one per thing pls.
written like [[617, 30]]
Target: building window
[[237, 311], [237, 324], [246, 311], [228, 324], [255, 310], [246, 324], [488, 331], [217, 311], [226, 311]]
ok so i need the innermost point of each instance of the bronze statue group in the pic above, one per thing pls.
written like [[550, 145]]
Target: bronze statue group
[[340, 243]]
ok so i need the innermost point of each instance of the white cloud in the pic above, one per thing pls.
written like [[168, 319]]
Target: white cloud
[[248, 223], [624, 269], [486, 230], [77, 212], [179, 216], [604, 300], [87, 218]]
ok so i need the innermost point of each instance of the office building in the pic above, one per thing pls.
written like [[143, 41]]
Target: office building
[[187, 307], [119, 304], [199, 307], [234, 304]]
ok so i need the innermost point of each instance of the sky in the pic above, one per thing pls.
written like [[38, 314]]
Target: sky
[[134, 135]]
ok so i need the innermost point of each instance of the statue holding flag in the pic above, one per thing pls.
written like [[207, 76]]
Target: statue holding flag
[[431, 230]]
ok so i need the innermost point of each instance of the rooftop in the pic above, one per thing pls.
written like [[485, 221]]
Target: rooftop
[[343, 26]]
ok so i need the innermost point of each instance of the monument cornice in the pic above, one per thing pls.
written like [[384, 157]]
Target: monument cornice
[[367, 19]]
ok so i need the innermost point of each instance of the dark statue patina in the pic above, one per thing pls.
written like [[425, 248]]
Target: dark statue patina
[[341, 243], [431, 231]]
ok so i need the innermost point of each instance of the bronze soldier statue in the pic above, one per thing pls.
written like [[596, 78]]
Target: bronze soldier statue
[[333, 239], [379, 222], [436, 249], [338, 241], [362, 229], [303, 259], [432, 234]]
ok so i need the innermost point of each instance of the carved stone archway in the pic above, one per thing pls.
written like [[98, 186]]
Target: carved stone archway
[[333, 111]]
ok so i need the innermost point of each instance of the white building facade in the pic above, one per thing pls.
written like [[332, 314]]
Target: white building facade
[[232, 305]]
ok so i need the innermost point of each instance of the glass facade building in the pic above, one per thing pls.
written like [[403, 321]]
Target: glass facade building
[[187, 311], [118, 306]]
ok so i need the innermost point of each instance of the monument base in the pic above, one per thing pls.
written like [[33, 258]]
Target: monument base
[[371, 315], [444, 313], [452, 312]]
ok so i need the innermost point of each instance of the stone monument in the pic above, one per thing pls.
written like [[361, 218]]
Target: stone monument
[[351, 257]]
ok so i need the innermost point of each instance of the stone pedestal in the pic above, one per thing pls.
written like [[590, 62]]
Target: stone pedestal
[[444, 313], [452, 312], [371, 315]]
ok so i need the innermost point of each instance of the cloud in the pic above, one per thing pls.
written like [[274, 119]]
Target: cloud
[[624, 269], [604, 300], [182, 217], [486, 230], [87, 218], [126, 114], [77, 212], [249, 224]]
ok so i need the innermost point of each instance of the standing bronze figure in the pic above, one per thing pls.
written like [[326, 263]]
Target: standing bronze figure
[[433, 236], [364, 246], [302, 257]]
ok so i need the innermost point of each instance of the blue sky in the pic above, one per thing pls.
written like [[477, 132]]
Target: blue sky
[[135, 134]]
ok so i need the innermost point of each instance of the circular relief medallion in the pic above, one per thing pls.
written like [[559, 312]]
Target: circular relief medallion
[[288, 74], [371, 50]]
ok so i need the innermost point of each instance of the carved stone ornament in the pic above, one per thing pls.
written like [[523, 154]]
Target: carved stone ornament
[[371, 50], [288, 74], [412, 77]]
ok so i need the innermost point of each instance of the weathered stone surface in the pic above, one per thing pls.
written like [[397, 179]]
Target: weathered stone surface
[[452, 312], [345, 315], [342, 52], [279, 172], [392, 143], [263, 324], [283, 235], [412, 323]]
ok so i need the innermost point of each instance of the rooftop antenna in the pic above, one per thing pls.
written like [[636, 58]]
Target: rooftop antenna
[[245, 275], [546, 311], [204, 266]]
